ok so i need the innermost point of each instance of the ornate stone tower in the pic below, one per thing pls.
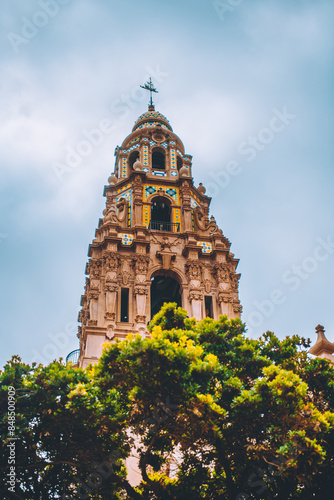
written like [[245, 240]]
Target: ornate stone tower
[[154, 244]]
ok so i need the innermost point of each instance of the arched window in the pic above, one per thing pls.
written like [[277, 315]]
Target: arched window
[[160, 214], [158, 159], [134, 156], [179, 162], [164, 289]]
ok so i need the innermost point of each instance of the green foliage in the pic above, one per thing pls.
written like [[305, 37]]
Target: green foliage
[[208, 412]]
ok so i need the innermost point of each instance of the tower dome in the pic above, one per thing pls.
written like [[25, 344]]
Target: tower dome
[[152, 118]]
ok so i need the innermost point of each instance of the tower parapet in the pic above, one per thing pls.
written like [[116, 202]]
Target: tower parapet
[[155, 243]]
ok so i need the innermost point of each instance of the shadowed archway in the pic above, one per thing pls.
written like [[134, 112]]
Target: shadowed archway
[[164, 289]]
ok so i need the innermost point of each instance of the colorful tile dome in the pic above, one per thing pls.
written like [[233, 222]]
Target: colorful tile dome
[[151, 118]]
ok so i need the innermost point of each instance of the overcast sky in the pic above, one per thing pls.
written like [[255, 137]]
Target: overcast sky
[[247, 86]]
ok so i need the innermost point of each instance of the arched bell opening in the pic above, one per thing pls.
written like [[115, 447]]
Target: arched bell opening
[[160, 214], [134, 156], [158, 159], [164, 289]]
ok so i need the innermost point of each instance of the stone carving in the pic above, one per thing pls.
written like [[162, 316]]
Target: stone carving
[[195, 295], [140, 318], [193, 269], [110, 287], [203, 223], [141, 290], [110, 315], [111, 260], [234, 281], [141, 263], [223, 297], [95, 285], [92, 322], [220, 271], [237, 308], [207, 285], [119, 217], [122, 210], [110, 333], [165, 242], [125, 275], [93, 295], [83, 316], [94, 268]]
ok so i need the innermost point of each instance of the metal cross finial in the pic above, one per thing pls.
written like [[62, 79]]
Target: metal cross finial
[[149, 86]]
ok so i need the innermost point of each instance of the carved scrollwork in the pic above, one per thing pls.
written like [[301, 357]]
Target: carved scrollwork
[[234, 281], [223, 297], [237, 308], [141, 290], [125, 275], [195, 295], [193, 269], [141, 262], [110, 315], [94, 268], [220, 271], [110, 287], [111, 260]]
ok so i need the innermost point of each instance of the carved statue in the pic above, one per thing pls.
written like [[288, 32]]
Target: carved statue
[[193, 269], [119, 217], [202, 222]]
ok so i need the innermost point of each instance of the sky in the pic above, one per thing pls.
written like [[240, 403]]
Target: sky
[[246, 85]]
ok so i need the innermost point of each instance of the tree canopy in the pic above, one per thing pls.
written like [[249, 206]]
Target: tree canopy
[[207, 412]]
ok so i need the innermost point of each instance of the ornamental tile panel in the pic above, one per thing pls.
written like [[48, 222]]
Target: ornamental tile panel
[[124, 167], [206, 246], [145, 155], [151, 189], [172, 158], [127, 239]]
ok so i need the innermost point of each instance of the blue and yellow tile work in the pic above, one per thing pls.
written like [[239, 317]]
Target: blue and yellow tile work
[[177, 216], [151, 189], [146, 215], [124, 167], [172, 158], [127, 239], [145, 155], [206, 246]]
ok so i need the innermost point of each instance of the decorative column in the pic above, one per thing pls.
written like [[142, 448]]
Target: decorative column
[[141, 293], [110, 291], [185, 193], [224, 301], [196, 300], [194, 274], [137, 189], [111, 262], [93, 307], [140, 263]]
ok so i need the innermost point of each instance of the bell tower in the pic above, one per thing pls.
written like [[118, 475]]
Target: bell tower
[[155, 242]]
